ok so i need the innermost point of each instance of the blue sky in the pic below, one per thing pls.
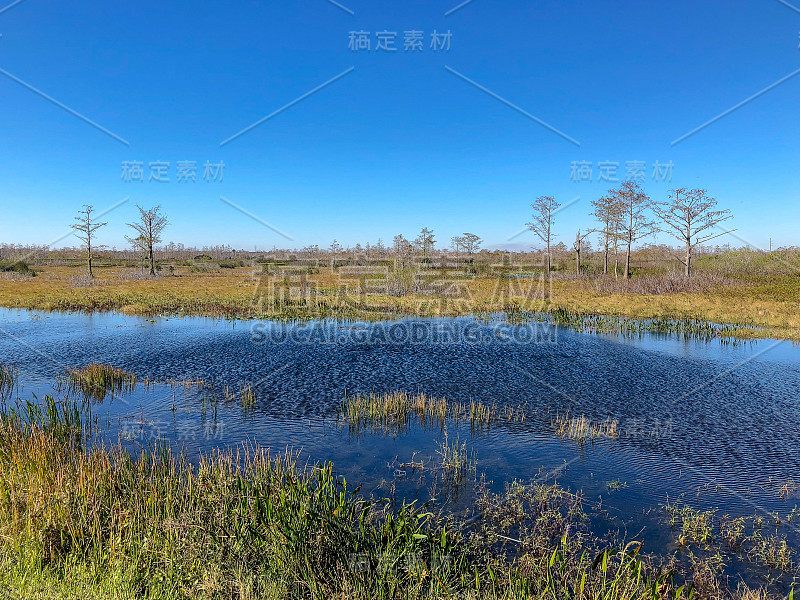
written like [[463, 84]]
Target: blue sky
[[399, 142]]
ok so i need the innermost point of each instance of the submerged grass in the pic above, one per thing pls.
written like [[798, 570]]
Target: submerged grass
[[392, 412], [97, 380], [746, 537], [457, 463], [83, 522]]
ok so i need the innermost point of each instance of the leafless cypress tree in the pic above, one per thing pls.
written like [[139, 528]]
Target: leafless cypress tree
[[634, 222], [425, 242], [84, 231], [578, 248], [544, 211], [335, 250], [457, 243], [607, 211], [402, 250], [471, 243], [149, 228], [687, 216]]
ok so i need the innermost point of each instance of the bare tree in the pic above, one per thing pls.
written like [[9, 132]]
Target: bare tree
[[84, 230], [471, 243], [687, 216], [335, 249], [149, 228], [139, 247], [402, 249], [457, 243], [425, 241], [544, 211], [578, 248], [634, 221], [607, 211]]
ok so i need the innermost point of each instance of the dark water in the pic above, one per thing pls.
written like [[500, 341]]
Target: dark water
[[717, 422]]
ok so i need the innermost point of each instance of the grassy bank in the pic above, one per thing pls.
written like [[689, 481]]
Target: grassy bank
[[748, 306], [96, 522]]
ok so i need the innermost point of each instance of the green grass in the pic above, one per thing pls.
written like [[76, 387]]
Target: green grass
[[83, 521], [686, 328], [748, 538]]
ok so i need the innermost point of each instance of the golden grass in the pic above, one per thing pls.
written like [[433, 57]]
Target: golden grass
[[96, 380], [394, 411], [581, 429], [768, 305]]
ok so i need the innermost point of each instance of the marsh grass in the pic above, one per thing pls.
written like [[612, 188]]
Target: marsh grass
[[582, 430], [741, 536], [81, 521], [96, 380], [687, 327], [247, 396], [393, 412], [9, 380], [457, 463]]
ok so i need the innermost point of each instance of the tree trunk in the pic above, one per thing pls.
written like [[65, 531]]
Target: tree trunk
[[152, 263], [688, 260], [628, 261], [605, 261], [548, 259], [89, 261]]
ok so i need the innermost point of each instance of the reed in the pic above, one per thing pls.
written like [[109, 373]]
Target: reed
[[97, 380], [457, 464], [395, 411], [9, 379], [582, 430], [247, 396]]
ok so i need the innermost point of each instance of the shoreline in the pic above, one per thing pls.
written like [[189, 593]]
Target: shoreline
[[756, 308]]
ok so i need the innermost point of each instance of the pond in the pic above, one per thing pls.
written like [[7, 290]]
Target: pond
[[714, 422]]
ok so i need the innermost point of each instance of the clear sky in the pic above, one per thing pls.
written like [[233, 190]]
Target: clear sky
[[447, 139]]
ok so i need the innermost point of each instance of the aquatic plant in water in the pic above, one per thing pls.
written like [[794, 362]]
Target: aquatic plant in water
[[9, 377], [394, 411], [582, 429], [96, 380]]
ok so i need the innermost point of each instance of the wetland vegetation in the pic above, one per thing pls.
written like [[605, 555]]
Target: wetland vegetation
[[85, 513], [94, 520]]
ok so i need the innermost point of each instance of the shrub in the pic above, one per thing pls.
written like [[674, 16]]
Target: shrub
[[20, 267]]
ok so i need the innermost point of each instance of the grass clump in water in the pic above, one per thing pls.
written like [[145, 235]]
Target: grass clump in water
[[96, 380], [247, 396], [582, 429], [9, 378], [744, 537], [457, 463], [394, 412]]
